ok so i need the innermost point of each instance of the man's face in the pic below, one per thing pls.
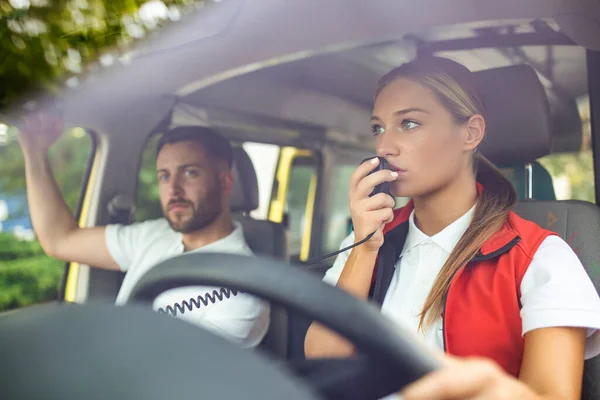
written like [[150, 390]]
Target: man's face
[[190, 186]]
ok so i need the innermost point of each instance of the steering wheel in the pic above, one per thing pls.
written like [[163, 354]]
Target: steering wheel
[[99, 351], [389, 354]]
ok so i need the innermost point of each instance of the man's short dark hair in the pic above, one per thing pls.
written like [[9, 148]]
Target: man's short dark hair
[[215, 145]]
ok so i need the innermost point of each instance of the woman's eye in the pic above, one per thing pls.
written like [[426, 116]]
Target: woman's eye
[[377, 129], [407, 125]]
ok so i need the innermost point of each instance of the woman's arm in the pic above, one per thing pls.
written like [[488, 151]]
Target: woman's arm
[[356, 280], [552, 369], [553, 362], [369, 215]]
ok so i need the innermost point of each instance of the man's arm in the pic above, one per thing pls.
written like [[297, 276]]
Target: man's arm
[[53, 223]]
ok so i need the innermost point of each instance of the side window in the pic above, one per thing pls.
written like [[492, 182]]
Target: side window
[[147, 201], [27, 275], [339, 221], [299, 205], [264, 158], [293, 198], [572, 172], [568, 173]]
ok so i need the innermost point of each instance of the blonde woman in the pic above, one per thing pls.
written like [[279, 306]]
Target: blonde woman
[[508, 301]]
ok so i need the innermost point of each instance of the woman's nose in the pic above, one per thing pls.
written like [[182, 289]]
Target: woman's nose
[[386, 146]]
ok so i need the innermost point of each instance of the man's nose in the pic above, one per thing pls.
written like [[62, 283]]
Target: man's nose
[[175, 187]]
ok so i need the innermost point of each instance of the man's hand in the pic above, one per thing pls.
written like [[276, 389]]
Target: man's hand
[[468, 379], [39, 131]]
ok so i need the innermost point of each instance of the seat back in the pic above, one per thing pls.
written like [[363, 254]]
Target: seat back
[[578, 223], [265, 238], [519, 132]]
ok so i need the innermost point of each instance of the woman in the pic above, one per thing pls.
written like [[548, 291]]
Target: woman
[[524, 306]]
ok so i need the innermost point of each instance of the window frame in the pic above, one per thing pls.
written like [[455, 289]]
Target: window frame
[[288, 157], [68, 286]]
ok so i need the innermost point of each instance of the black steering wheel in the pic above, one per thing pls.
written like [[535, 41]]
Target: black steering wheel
[[100, 351], [388, 353]]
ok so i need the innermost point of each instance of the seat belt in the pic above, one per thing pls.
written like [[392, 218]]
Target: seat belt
[[389, 254], [120, 210]]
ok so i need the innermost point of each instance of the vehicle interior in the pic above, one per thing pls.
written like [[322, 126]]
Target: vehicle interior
[[296, 103]]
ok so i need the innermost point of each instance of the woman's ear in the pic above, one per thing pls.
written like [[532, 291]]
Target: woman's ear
[[475, 132]]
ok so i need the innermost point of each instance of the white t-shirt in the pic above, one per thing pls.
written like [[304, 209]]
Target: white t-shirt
[[555, 290], [242, 318]]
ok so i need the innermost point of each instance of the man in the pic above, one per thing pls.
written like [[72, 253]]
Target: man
[[194, 173]]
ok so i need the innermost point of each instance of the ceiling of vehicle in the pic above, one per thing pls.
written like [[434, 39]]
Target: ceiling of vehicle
[[288, 62], [334, 90]]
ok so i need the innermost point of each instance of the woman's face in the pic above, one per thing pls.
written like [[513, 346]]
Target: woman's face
[[419, 138]]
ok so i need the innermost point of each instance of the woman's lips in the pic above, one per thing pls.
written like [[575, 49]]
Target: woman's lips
[[396, 168]]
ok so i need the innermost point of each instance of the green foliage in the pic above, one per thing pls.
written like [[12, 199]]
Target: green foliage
[[27, 275], [51, 40], [13, 249], [576, 169], [68, 158], [579, 171]]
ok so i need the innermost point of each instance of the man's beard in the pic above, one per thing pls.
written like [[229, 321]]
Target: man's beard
[[209, 209]]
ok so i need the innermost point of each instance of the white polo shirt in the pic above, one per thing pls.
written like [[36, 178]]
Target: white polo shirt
[[555, 290], [242, 318]]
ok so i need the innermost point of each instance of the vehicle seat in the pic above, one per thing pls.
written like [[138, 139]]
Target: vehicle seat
[[518, 133], [265, 238]]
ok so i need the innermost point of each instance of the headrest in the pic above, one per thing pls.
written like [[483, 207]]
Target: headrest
[[518, 115], [567, 127], [244, 197]]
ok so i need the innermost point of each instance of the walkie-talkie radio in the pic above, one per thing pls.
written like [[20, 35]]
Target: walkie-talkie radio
[[385, 187]]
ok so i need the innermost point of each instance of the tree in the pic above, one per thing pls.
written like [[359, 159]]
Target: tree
[[45, 42]]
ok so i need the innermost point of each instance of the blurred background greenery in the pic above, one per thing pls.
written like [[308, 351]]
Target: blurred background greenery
[[48, 43]]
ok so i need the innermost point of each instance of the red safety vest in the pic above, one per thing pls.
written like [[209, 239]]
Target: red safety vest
[[482, 308]]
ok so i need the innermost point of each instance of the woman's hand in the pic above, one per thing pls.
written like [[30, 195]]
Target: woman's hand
[[370, 214], [468, 379]]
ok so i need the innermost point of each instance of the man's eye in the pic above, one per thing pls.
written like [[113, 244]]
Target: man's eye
[[377, 129], [191, 173], [163, 178], [407, 125]]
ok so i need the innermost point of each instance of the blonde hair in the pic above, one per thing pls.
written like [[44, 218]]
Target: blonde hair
[[454, 87]]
